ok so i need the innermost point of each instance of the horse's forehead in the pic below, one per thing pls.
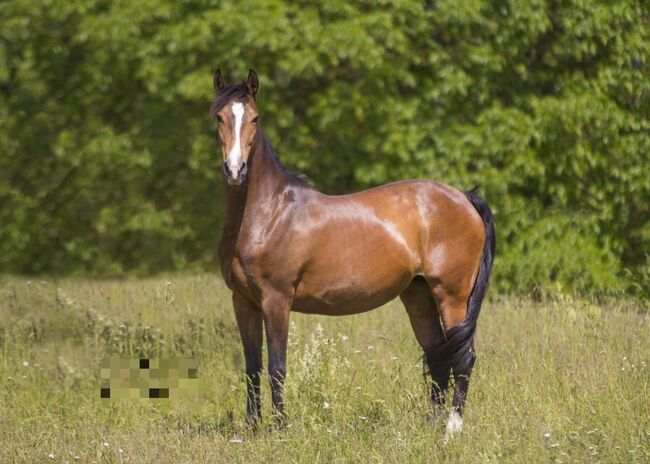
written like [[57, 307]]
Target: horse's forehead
[[244, 107], [238, 109]]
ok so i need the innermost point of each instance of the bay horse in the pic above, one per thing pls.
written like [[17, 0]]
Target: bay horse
[[288, 247]]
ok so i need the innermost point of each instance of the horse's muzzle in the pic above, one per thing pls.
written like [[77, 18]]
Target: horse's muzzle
[[235, 176]]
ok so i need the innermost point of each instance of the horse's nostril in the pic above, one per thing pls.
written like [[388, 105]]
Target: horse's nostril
[[227, 169]]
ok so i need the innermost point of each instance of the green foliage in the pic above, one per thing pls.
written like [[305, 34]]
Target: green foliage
[[561, 250], [108, 162]]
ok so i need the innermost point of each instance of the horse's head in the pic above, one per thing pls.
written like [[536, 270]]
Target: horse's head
[[235, 110]]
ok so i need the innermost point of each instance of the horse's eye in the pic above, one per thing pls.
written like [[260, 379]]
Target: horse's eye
[[254, 121], [219, 119]]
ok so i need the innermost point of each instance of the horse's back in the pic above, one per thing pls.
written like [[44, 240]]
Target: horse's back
[[424, 210]]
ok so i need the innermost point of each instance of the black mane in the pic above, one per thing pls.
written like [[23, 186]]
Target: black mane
[[237, 92]]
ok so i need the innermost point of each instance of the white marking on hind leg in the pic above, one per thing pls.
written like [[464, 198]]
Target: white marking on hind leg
[[454, 425]]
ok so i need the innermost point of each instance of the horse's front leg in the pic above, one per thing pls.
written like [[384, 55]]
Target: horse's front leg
[[249, 320], [276, 311]]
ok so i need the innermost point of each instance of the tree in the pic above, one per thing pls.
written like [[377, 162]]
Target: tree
[[108, 162]]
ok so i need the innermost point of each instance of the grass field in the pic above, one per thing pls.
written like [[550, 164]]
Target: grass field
[[555, 381]]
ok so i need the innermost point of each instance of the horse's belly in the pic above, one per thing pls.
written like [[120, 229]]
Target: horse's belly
[[349, 294], [312, 305]]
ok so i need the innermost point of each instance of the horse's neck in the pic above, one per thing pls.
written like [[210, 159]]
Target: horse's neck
[[267, 176], [257, 199]]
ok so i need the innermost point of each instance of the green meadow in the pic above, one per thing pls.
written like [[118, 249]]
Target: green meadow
[[557, 380]]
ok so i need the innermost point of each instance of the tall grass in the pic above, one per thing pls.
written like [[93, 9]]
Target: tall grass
[[561, 380]]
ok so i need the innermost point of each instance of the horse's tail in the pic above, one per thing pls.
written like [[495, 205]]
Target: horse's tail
[[457, 349]]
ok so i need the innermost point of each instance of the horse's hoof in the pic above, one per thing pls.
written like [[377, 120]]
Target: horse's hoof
[[454, 426]]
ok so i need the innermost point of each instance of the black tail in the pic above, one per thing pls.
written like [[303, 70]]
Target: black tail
[[455, 351]]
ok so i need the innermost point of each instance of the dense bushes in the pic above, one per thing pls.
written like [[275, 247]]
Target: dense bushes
[[108, 162]]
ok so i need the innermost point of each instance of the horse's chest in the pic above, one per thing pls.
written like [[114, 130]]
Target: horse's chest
[[246, 274], [254, 266], [238, 273], [236, 267]]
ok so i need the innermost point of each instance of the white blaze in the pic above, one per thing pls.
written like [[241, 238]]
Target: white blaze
[[234, 157]]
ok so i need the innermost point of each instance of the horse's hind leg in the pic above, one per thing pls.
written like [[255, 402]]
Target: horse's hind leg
[[453, 312], [461, 385], [425, 320]]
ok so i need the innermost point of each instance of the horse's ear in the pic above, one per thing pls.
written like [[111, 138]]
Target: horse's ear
[[253, 83], [219, 83]]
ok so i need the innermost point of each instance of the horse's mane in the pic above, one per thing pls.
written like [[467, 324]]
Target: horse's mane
[[237, 92], [291, 177]]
